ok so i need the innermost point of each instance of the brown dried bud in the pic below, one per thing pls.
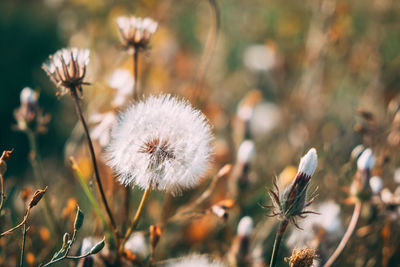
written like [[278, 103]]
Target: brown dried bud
[[37, 196], [155, 234], [302, 257]]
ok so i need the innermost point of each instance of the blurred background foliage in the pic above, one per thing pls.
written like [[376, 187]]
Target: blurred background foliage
[[308, 67]]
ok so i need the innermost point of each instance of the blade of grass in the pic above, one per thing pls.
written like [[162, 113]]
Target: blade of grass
[[87, 192]]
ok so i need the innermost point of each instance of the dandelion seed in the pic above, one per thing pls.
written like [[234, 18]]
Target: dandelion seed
[[67, 69], [162, 142], [136, 32], [194, 260]]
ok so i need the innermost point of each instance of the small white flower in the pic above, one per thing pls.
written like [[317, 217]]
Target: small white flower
[[245, 226], [136, 32], [366, 160], [376, 184], [102, 131], [308, 163], [259, 58], [245, 151], [194, 260], [123, 82], [137, 245], [163, 142], [28, 96], [67, 68]]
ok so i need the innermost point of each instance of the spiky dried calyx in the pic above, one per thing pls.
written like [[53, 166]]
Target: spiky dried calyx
[[302, 257], [290, 203]]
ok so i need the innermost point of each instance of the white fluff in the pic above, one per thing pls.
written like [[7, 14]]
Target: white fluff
[[28, 96], [376, 184], [184, 130], [245, 151], [194, 260], [245, 226], [366, 160], [309, 162]]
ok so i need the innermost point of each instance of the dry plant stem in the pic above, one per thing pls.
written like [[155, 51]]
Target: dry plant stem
[[209, 47], [135, 220], [135, 73], [278, 238], [93, 157], [28, 211], [347, 235], [3, 196], [38, 172], [21, 261]]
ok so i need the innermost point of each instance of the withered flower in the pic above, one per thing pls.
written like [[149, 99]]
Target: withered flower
[[29, 115], [291, 202], [302, 257], [67, 69], [136, 32]]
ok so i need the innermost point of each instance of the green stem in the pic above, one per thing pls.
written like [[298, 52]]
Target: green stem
[[278, 238], [135, 220]]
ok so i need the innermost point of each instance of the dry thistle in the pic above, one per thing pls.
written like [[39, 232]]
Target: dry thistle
[[67, 69], [136, 32], [302, 257]]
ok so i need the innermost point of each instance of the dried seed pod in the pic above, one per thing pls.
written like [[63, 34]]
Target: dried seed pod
[[37, 196], [98, 247], [79, 219]]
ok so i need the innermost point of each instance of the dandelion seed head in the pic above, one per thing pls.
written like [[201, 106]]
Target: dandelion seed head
[[163, 142]]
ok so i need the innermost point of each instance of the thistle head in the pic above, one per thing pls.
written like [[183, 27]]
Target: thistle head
[[136, 32], [291, 202], [67, 69], [302, 257]]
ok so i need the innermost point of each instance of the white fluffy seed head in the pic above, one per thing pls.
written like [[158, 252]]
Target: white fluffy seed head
[[376, 184], [245, 226], [163, 142], [28, 96], [366, 160], [245, 151], [194, 260], [309, 162]]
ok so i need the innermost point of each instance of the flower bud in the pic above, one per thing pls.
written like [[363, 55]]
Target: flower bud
[[155, 234], [97, 248], [79, 219], [245, 226]]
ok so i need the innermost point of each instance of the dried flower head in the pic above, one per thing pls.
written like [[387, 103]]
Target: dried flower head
[[29, 115], [302, 257], [67, 69], [194, 260], [292, 201], [162, 142], [136, 32]]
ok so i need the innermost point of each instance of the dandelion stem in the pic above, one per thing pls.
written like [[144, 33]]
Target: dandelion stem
[[347, 235], [135, 73], [21, 261], [36, 163], [93, 157], [135, 220], [278, 238]]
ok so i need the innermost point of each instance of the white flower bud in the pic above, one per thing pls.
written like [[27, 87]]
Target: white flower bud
[[245, 226], [366, 160], [308, 163], [245, 151], [376, 184]]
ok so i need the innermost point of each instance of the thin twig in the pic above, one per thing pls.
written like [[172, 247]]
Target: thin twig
[[347, 235], [135, 220], [278, 238], [93, 157], [18, 225]]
